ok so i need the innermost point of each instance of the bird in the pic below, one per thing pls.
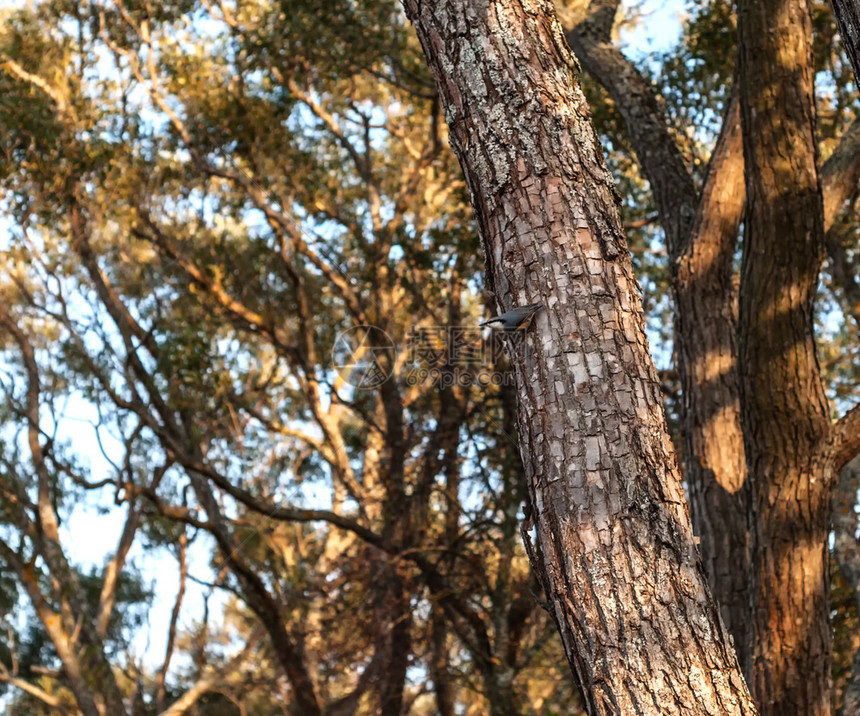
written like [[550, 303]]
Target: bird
[[517, 319]]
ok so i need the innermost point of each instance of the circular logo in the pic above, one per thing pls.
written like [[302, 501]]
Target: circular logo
[[364, 356]]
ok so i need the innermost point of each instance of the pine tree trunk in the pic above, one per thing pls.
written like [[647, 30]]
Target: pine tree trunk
[[784, 411], [701, 234], [615, 549]]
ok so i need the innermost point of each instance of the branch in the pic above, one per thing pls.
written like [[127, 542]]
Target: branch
[[284, 513], [841, 173], [656, 149], [108, 295], [468, 624], [174, 618], [214, 678], [846, 438], [848, 18], [32, 689], [845, 526], [61, 640], [840, 182], [251, 320], [107, 598], [14, 69], [848, 558]]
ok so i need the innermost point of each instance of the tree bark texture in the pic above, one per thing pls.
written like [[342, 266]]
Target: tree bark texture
[[706, 358], [784, 411], [615, 547], [847, 557], [701, 235], [848, 18]]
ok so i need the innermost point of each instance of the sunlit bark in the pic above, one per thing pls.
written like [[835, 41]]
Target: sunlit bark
[[784, 412], [614, 543]]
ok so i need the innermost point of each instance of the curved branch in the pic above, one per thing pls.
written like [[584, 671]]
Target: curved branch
[[33, 690], [213, 678], [840, 174], [848, 18], [846, 438], [658, 153]]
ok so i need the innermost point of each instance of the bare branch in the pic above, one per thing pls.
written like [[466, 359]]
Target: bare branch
[[840, 183], [14, 69], [848, 18], [847, 555], [214, 678], [174, 619], [846, 438], [840, 174], [32, 689], [58, 635], [107, 598]]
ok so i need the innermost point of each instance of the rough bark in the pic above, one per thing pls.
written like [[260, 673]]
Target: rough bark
[[701, 234], [848, 18], [617, 554], [706, 357], [714, 462], [700, 253], [784, 411], [847, 555]]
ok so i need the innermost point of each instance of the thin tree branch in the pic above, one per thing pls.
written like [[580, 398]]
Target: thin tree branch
[[32, 689], [848, 18], [214, 678], [14, 69], [840, 174], [847, 555]]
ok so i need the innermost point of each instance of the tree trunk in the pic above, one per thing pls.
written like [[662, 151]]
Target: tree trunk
[[706, 357], [439, 667], [701, 235], [615, 548], [784, 411]]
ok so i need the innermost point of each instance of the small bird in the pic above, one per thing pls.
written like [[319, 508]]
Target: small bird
[[517, 319]]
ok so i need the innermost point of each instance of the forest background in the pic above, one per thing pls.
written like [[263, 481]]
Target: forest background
[[201, 201]]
